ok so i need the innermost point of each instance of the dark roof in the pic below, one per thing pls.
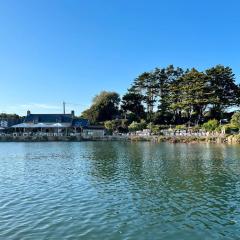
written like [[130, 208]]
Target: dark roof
[[42, 125], [95, 127], [10, 122], [80, 122], [49, 118]]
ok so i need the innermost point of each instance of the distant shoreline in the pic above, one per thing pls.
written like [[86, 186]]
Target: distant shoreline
[[227, 139]]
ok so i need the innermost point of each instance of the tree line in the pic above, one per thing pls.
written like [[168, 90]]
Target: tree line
[[6, 116], [171, 95]]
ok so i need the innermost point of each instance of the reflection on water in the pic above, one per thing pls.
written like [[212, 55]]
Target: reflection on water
[[119, 190]]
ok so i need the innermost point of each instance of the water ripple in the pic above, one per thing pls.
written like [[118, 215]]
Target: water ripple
[[102, 190]]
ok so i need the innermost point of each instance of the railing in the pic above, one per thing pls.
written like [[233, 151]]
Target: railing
[[177, 133], [41, 134]]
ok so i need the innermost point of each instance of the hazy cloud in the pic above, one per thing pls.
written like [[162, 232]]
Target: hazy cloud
[[40, 106], [21, 109]]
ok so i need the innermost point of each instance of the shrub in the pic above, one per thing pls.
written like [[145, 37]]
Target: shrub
[[218, 129], [211, 125], [134, 126], [196, 128], [237, 138], [110, 126], [180, 127], [142, 124], [235, 120], [155, 129], [229, 128]]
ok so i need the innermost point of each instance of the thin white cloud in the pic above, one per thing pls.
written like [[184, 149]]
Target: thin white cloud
[[21, 109], [39, 106]]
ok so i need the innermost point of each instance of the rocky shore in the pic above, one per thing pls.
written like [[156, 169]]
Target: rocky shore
[[228, 139]]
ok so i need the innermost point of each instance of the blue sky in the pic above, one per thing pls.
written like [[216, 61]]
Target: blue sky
[[55, 50]]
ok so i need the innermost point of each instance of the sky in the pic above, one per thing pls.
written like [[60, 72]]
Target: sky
[[69, 50]]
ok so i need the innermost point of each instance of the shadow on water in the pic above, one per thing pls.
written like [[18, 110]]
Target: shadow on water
[[191, 183]]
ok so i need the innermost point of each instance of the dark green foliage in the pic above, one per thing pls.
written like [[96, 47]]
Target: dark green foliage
[[146, 85], [230, 129], [235, 120], [173, 96], [118, 125], [190, 95], [132, 103], [135, 126], [104, 107], [225, 90], [9, 116], [211, 125]]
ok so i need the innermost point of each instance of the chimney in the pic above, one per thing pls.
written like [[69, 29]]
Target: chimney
[[28, 113], [72, 113]]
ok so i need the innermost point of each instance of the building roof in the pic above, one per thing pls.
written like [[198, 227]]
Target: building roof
[[50, 121], [9, 122], [80, 122], [42, 125], [49, 118], [94, 127]]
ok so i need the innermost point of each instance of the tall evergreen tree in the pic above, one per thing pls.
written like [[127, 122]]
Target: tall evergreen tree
[[164, 78], [105, 106], [190, 95], [225, 90], [172, 95], [132, 102], [146, 85]]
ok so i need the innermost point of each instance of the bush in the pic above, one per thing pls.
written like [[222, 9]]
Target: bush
[[235, 120], [119, 125], [237, 138], [110, 126], [219, 129], [155, 129], [180, 127], [211, 125], [196, 128], [142, 124], [133, 127], [229, 128]]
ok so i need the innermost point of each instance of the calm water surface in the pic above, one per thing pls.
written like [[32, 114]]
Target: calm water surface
[[116, 190]]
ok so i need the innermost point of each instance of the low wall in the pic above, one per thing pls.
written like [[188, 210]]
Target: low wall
[[39, 138], [230, 139], [60, 138]]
